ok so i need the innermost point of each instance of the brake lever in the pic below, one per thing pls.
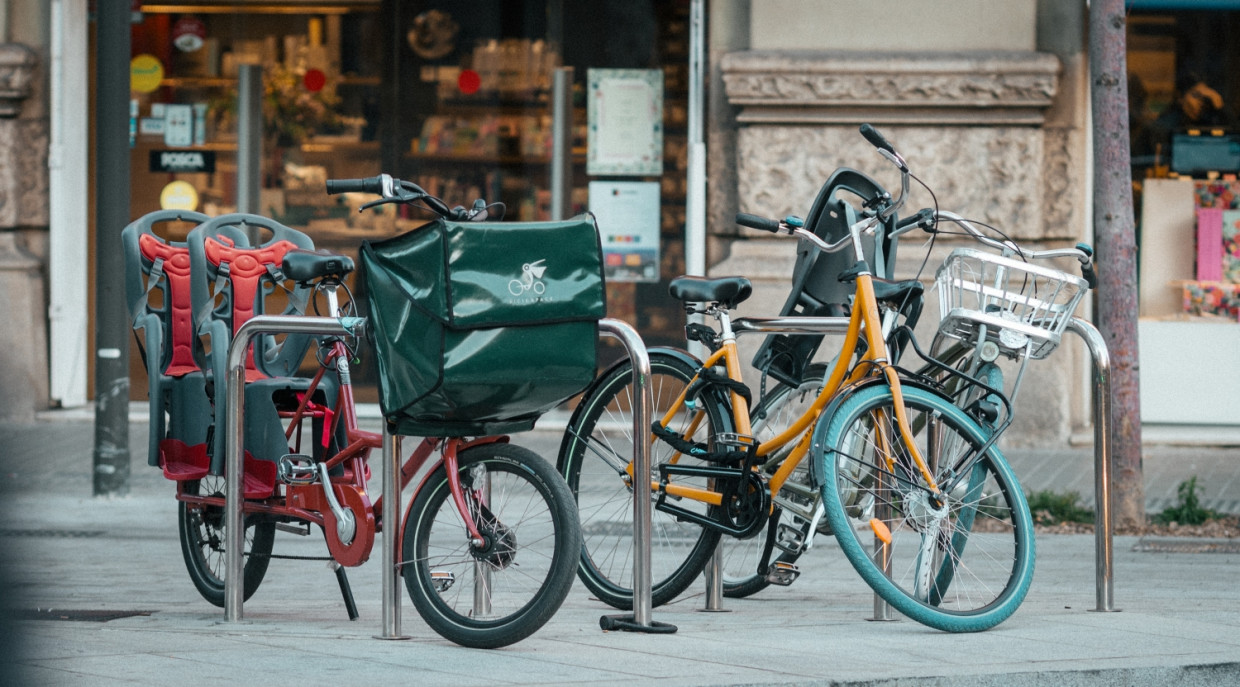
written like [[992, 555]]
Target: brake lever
[[373, 203]]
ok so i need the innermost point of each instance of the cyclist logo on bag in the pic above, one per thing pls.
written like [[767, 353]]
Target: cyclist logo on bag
[[531, 279]]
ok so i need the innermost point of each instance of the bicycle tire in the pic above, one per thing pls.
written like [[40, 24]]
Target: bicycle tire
[[202, 537], [498, 595], [777, 410], [597, 445], [982, 592]]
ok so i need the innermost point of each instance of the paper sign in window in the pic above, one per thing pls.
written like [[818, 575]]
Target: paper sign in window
[[625, 114]]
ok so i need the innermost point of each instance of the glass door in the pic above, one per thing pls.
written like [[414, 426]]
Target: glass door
[[475, 108]]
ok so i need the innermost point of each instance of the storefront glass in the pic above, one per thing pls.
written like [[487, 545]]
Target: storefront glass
[[454, 95]]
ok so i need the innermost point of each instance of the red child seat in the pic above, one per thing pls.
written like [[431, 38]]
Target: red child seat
[[158, 279], [240, 279]]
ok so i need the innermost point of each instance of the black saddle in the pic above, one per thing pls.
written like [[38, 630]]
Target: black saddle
[[307, 265], [726, 291]]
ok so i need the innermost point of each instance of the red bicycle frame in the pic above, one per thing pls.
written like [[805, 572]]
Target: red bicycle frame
[[309, 502]]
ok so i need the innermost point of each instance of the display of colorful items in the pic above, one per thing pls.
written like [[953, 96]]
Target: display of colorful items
[[1212, 298], [1217, 194], [1218, 250]]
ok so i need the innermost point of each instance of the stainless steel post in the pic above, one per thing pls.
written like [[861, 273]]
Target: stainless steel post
[[391, 519], [249, 136], [882, 551], [234, 438], [562, 143], [714, 581], [1103, 572], [482, 569], [643, 401]]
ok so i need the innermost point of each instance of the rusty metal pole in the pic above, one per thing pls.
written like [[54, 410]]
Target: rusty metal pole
[[1115, 236]]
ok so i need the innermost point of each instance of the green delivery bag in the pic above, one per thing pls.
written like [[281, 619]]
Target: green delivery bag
[[480, 327]]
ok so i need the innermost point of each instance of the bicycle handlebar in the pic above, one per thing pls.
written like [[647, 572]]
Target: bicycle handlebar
[[755, 222], [1082, 252], [792, 226], [394, 190], [367, 185], [876, 139]]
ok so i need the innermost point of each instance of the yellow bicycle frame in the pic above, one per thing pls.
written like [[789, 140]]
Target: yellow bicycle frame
[[864, 321]]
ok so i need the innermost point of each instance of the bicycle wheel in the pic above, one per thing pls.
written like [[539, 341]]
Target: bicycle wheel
[[202, 537], [776, 412], [594, 459], [491, 596], [963, 566]]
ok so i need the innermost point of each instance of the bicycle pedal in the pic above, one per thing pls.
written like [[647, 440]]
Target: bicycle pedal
[[442, 580], [294, 468], [782, 574], [734, 439], [790, 539]]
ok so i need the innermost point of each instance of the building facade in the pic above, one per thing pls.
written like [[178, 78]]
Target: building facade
[[24, 147], [987, 101]]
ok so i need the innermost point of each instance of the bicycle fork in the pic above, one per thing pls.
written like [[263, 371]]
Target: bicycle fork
[[480, 496]]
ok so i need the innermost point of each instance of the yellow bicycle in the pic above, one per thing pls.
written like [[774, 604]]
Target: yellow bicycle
[[875, 455]]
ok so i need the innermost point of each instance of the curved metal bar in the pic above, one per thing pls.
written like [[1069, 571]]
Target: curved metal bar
[[391, 554], [234, 439], [1103, 573], [643, 402]]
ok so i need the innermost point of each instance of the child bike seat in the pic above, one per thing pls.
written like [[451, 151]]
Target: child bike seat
[[158, 292], [239, 281], [816, 286]]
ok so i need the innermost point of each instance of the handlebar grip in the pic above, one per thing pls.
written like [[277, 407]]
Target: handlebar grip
[[755, 222], [1091, 277], [1087, 265], [367, 185], [876, 139], [923, 218]]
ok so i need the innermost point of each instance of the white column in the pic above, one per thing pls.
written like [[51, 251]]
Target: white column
[[68, 190]]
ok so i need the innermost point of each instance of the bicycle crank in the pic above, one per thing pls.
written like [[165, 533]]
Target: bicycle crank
[[348, 521]]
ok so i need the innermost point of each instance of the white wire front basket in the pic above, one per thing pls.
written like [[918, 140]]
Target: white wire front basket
[[1021, 307]]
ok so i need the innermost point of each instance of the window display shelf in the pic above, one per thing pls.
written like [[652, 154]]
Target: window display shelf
[[267, 7]]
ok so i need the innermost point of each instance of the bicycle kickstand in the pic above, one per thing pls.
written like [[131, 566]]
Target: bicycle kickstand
[[346, 590]]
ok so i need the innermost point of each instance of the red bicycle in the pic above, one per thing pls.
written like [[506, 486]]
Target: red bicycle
[[491, 535]]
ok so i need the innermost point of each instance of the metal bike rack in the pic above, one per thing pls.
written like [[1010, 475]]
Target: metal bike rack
[[1103, 571], [1102, 461], [391, 553], [643, 401], [234, 439]]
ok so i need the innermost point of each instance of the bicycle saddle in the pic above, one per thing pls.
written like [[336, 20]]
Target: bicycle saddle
[[727, 291], [306, 265], [896, 291]]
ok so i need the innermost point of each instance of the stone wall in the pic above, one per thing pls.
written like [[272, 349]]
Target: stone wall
[[973, 126], [23, 237]]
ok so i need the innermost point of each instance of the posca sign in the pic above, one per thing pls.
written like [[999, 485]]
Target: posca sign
[[182, 161]]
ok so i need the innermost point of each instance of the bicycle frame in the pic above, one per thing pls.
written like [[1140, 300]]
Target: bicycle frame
[[864, 321], [310, 502]]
